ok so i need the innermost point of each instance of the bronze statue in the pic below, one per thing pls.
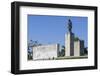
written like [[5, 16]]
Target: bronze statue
[[69, 26]]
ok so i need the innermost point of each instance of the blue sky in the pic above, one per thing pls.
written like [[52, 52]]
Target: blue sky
[[48, 29]]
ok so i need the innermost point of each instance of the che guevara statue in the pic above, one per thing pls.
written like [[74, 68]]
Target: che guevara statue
[[69, 26]]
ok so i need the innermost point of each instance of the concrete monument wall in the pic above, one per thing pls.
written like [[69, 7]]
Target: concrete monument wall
[[81, 47], [45, 51], [78, 47]]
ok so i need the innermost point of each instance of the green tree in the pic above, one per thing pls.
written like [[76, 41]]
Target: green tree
[[76, 38], [62, 53], [85, 51]]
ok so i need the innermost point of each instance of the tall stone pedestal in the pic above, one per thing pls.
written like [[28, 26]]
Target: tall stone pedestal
[[69, 44], [78, 48]]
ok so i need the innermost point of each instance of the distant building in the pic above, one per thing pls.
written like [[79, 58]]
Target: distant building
[[44, 52]]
